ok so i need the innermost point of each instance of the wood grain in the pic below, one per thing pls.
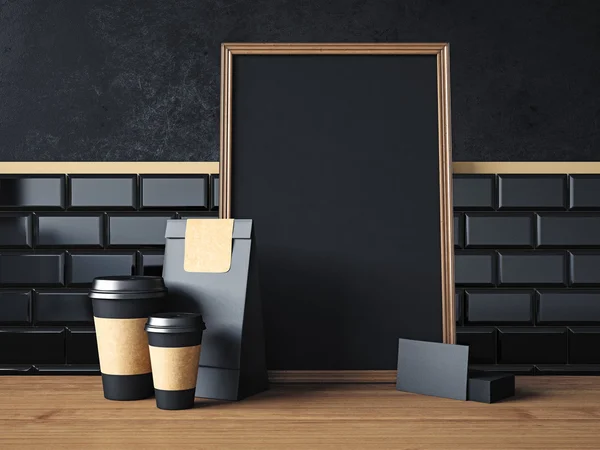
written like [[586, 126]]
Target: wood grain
[[70, 413]]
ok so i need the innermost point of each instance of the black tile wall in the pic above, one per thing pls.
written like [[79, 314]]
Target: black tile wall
[[499, 306], [568, 230], [150, 263], [526, 259], [183, 192], [31, 269], [214, 196], [57, 233], [69, 230], [82, 268], [532, 345], [82, 347], [539, 237], [37, 345], [532, 192], [62, 307], [584, 192], [569, 306], [497, 230], [474, 192], [137, 229], [475, 268], [527, 268], [26, 192], [15, 307], [102, 192], [15, 230], [459, 232], [583, 345], [481, 342]]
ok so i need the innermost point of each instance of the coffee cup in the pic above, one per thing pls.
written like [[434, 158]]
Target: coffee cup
[[175, 342], [121, 307]]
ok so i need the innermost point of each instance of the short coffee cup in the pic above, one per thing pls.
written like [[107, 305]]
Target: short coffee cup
[[175, 342], [121, 307]]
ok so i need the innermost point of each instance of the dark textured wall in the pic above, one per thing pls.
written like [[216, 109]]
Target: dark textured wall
[[139, 80]]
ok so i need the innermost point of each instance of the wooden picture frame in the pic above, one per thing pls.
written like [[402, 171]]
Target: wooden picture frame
[[439, 51]]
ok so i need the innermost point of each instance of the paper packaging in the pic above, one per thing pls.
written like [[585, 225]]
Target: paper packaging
[[183, 360], [490, 387], [123, 347], [210, 268], [175, 341], [121, 306], [433, 368]]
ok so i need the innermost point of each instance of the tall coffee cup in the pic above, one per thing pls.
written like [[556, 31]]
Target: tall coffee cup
[[121, 307], [175, 341]]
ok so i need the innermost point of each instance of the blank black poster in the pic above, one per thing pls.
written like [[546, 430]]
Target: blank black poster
[[336, 159]]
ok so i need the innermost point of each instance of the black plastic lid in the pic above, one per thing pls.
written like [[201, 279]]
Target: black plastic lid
[[175, 322], [123, 288]]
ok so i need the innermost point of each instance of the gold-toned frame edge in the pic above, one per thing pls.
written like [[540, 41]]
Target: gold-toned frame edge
[[526, 167], [441, 50]]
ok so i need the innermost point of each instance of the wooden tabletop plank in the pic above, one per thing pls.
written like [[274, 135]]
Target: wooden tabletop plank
[[70, 412]]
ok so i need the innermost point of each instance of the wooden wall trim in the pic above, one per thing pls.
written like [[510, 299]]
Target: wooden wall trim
[[529, 167], [174, 167], [126, 167]]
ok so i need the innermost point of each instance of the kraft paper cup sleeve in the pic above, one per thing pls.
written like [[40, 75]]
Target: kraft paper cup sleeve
[[208, 245], [122, 346], [175, 368]]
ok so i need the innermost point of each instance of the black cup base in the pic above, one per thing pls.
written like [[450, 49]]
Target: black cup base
[[127, 387], [172, 400]]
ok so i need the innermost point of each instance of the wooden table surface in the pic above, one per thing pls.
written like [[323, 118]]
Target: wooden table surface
[[70, 412]]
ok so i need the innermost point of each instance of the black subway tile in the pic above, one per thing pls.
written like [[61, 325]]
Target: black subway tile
[[82, 347], [15, 369], [569, 306], [42, 192], [70, 230], [197, 215], [537, 192], [82, 268], [214, 192], [62, 307], [481, 342], [496, 230], [515, 369], [458, 230], [151, 263], [532, 345], [585, 192], [15, 307], [93, 192], [568, 369], [568, 230], [475, 268], [584, 344], [174, 192], [68, 369], [532, 268], [137, 229], [584, 268], [32, 345], [32, 269], [499, 306], [458, 303], [474, 192], [15, 230]]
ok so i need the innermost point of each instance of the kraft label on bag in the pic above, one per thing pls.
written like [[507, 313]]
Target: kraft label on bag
[[208, 244]]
